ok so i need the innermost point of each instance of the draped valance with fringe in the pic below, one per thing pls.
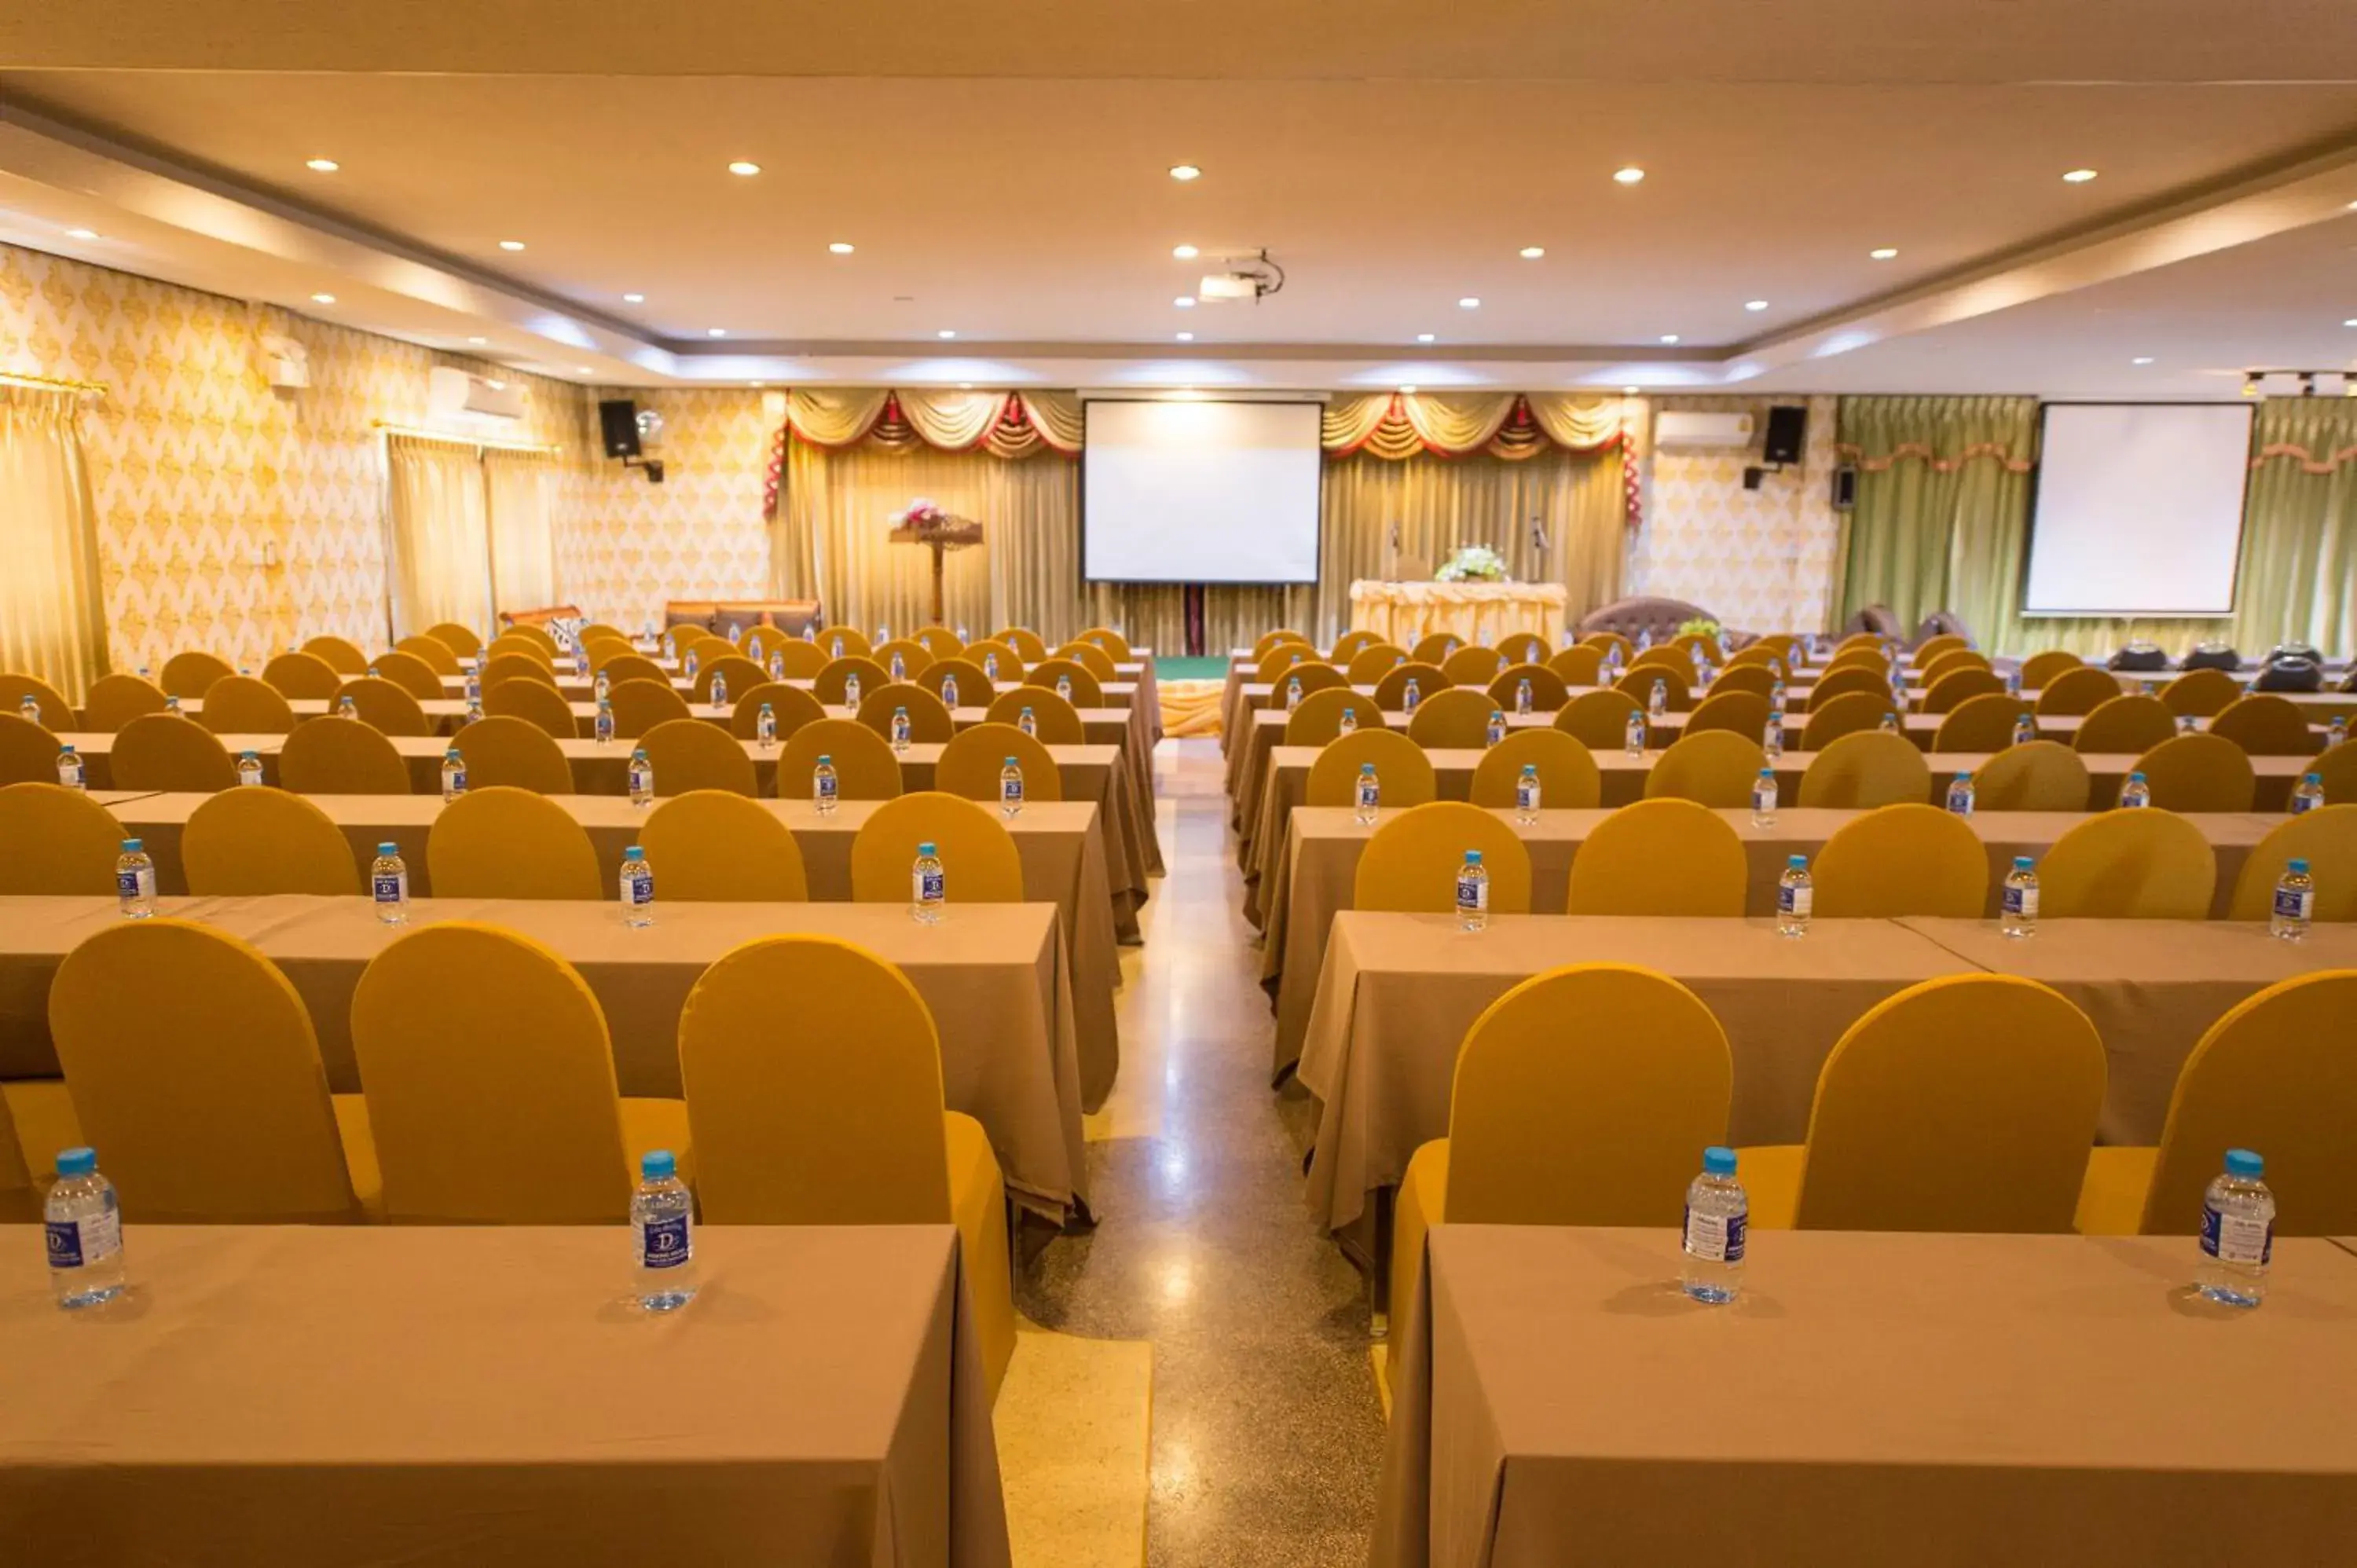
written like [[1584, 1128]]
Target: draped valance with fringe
[[1943, 434], [1003, 423]]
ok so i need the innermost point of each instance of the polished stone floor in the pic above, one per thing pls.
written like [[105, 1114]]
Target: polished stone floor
[[1266, 1431]]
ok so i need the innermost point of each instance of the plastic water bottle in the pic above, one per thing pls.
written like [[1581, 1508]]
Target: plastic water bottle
[[1658, 705], [689, 668], [1010, 788], [29, 710], [753, 647], [1064, 687], [1411, 696], [1028, 721], [2024, 730], [641, 778], [670, 645], [1717, 1216], [474, 684], [474, 712], [1795, 894], [1960, 795], [580, 662], [1644, 639], [720, 693], [172, 703], [2238, 1233], [1526, 795], [134, 880], [1776, 695], [962, 637], [765, 727], [1899, 691], [85, 1233], [2135, 793], [1292, 692], [1497, 730], [71, 772], [1473, 893], [825, 787], [838, 646], [602, 727], [990, 666], [899, 729], [899, 669], [1889, 724], [2017, 907], [883, 635], [662, 1234], [1348, 724], [1771, 739], [389, 885], [637, 889], [2013, 682], [602, 687], [1635, 745], [776, 664], [345, 708], [2295, 903], [2336, 731], [453, 775], [1370, 794], [2307, 798], [851, 690], [928, 890], [1763, 799]]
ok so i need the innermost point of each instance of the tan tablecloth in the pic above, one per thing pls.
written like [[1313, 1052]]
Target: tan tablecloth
[[992, 974], [1398, 992], [1873, 1400], [1063, 864], [1478, 612], [1325, 843], [331, 1396]]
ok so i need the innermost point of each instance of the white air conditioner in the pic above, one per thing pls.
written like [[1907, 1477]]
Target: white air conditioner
[[451, 391], [1686, 428]]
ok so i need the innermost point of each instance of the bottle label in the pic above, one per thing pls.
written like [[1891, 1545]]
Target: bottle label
[[827, 784], [929, 888], [454, 782], [1010, 792], [1795, 902], [2236, 1239], [664, 1243], [2293, 903], [2301, 803], [1526, 797], [1763, 801], [1714, 1239], [75, 1244], [389, 887], [1472, 893], [1367, 797], [638, 891], [1960, 802], [2021, 903], [135, 884]]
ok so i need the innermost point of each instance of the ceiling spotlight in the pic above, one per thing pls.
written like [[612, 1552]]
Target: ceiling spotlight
[[715, 332], [1669, 337], [581, 369], [1183, 172], [1627, 391], [1754, 305], [1424, 336], [1185, 302], [966, 386], [81, 233], [2308, 383], [757, 383], [1884, 253], [1533, 253], [634, 299], [1628, 176], [743, 166], [2141, 360], [840, 247], [1409, 389], [321, 165], [479, 342], [2250, 383], [511, 245], [1186, 337], [323, 299], [1185, 253], [85, 234], [2078, 176], [946, 332], [1468, 303]]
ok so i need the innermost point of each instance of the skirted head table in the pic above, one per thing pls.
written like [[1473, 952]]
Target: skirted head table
[[1477, 612]]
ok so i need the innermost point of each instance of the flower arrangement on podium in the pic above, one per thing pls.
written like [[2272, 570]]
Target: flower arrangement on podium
[[923, 522], [1473, 563]]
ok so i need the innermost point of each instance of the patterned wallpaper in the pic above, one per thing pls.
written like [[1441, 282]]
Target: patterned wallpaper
[[1760, 560]]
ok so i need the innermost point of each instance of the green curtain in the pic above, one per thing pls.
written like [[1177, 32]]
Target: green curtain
[[1943, 487]]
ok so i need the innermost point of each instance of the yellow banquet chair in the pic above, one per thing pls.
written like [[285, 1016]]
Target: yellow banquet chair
[[640, 704], [2201, 694], [489, 1078], [865, 766], [535, 703], [60, 841], [930, 724], [1714, 769], [1410, 864], [789, 706], [970, 765], [341, 757], [2081, 691], [1391, 691], [1660, 857], [741, 673], [2146, 865], [1868, 659], [979, 863], [2125, 724], [1739, 711], [1474, 665], [167, 752], [1579, 665], [463, 642], [1931, 650], [1666, 657], [1871, 769], [1457, 718], [792, 1129], [192, 674], [1966, 1103], [1524, 647], [1435, 648], [301, 677], [1639, 681], [828, 684], [1312, 678], [2274, 1076], [1954, 661], [505, 843], [239, 704], [1345, 647], [1599, 720], [2325, 838], [385, 707], [1851, 713], [2036, 776], [717, 846], [432, 652], [342, 655], [1553, 1120], [515, 664], [29, 753], [1116, 646], [504, 750], [1057, 721], [1089, 657], [1319, 719], [619, 665], [411, 673], [115, 699], [522, 631], [58, 715], [914, 656], [1271, 668], [1371, 663], [2041, 670], [2336, 769], [1086, 691], [974, 688], [1568, 777], [1772, 657], [255, 843], [844, 642], [1606, 642], [1755, 679], [797, 660], [1403, 775], [2199, 773], [689, 753], [1282, 635], [1981, 724], [1957, 687], [1549, 691], [1849, 680], [940, 641], [207, 1101], [513, 645], [1001, 662], [2265, 724], [1901, 860], [1024, 641]]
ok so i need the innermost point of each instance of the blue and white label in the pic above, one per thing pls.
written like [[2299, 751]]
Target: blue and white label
[[1367, 796], [2021, 903], [931, 888], [1795, 901], [828, 784], [1010, 792], [639, 889], [1763, 797], [1716, 1239], [2304, 802], [2231, 1239], [1527, 796], [75, 1244], [139, 883], [2294, 903], [389, 887], [665, 1243], [454, 782], [1472, 893]]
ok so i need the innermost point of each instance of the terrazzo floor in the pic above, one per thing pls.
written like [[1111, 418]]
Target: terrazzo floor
[[1266, 1431]]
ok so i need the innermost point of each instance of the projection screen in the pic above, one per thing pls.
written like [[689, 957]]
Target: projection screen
[[2139, 509], [1199, 491]]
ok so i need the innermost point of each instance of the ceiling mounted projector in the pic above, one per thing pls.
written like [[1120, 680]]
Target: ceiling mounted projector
[[1246, 277]]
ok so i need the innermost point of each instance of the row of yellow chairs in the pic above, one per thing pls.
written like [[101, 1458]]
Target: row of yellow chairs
[[505, 843], [488, 1094], [1672, 857], [1962, 1104]]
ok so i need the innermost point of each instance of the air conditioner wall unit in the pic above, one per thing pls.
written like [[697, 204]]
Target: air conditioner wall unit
[[1675, 428], [451, 391]]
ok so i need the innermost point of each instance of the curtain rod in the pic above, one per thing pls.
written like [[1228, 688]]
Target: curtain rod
[[417, 433], [24, 378]]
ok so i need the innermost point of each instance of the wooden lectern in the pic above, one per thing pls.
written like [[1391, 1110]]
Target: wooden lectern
[[956, 534]]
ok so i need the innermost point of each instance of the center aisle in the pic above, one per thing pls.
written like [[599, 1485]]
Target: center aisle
[[1267, 1436]]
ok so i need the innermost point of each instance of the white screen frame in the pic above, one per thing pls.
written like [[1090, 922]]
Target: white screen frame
[[1315, 413], [2029, 610]]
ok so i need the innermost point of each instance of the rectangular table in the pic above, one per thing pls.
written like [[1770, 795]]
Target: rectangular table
[[993, 975], [1325, 842], [358, 1396], [1062, 852], [1873, 1398], [1398, 992]]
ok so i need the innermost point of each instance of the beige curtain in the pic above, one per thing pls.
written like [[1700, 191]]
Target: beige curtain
[[52, 622], [520, 487], [438, 519]]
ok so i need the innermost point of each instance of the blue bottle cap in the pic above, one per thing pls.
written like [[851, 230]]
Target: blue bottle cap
[[765, 707], [1963, 777], [241, 755], [1363, 767], [2135, 778], [81, 1161], [827, 758], [638, 754], [67, 749], [636, 852], [2298, 868], [388, 849], [1530, 767], [2305, 778], [1767, 773], [1472, 857], [656, 1164], [926, 847], [2239, 1162], [2021, 862], [1797, 862], [1718, 1160], [447, 756], [1010, 762], [132, 846]]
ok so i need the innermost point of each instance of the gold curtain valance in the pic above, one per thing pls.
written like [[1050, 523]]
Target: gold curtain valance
[[1450, 425], [1011, 424]]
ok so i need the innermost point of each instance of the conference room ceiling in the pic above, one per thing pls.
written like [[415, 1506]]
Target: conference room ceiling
[[1008, 184]]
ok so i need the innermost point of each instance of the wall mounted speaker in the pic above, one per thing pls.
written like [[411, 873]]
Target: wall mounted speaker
[[1844, 495], [617, 418], [1787, 429]]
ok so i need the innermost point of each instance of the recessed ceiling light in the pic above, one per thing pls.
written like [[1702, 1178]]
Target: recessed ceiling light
[[1185, 302], [715, 332], [840, 247], [1424, 336], [1883, 253], [479, 342], [946, 332], [81, 233], [1669, 337], [2078, 176], [1627, 391], [1409, 387], [581, 369], [1628, 176], [1185, 172], [323, 299], [1186, 337], [634, 299], [744, 166], [511, 245], [1533, 253], [757, 383], [2141, 360], [966, 386], [321, 165], [1185, 253], [1468, 303], [1754, 305]]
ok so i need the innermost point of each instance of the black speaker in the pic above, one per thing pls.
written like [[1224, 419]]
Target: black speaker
[[1788, 427], [618, 417], [1844, 495]]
